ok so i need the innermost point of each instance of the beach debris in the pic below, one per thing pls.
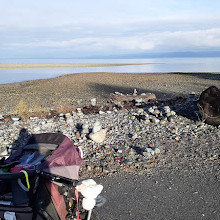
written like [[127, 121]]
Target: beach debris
[[209, 105], [119, 98]]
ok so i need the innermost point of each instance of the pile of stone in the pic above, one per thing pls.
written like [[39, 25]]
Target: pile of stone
[[128, 140]]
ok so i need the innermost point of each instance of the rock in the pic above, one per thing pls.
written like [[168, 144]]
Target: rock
[[134, 136], [135, 92], [93, 102], [69, 121], [61, 115], [85, 129], [155, 120], [166, 109], [4, 153], [191, 97], [128, 162], [99, 136], [37, 129], [138, 101], [209, 105], [156, 112], [78, 136], [151, 110], [15, 118], [101, 112], [67, 115], [163, 122], [149, 150], [173, 113], [96, 127], [148, 155], [156, 150], [171, 118]]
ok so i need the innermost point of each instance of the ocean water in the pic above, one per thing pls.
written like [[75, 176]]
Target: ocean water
[[158, 65]]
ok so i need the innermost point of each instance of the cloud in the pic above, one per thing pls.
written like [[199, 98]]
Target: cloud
[[114, 37], [137, 42]]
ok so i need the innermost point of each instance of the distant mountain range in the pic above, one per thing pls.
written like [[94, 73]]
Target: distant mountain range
[[161, 55]]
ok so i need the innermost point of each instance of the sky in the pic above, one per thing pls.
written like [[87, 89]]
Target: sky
[[99, 28]]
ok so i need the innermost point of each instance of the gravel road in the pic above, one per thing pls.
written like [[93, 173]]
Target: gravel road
[[176, 195]]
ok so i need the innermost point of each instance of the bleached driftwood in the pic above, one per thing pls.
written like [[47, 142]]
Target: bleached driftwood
[[119, 98]]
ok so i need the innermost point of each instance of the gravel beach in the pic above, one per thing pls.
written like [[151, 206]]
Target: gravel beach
[[78, 89], [144, 149]]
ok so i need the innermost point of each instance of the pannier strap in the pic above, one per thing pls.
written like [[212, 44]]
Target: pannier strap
[[77, 204], [27, 181]]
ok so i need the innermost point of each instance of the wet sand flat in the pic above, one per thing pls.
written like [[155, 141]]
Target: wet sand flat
[[60, 65]]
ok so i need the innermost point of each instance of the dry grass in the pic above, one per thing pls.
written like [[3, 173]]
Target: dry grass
[[22, 109]]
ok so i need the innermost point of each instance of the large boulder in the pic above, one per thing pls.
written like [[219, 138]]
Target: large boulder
[[209, 105]]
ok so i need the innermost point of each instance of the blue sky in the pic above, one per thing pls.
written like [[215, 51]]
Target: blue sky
[[87, 28]]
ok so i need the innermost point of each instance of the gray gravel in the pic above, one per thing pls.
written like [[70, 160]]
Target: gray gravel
[[167, 195], [156, 163]]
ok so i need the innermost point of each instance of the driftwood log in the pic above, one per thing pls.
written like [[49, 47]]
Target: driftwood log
[[209, 105], [120, 99]]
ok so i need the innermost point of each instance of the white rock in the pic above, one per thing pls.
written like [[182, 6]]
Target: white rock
[[156, 150], [15, 118], [134, 136], [96, 127], [155, 120], [93, 102], [99, 136], [61, 114], [85, 129], [37, 129], [135, 92], [151, 110], [138, 100], [69, 121], [173, 113], [68, 115], [4, 153], [140, 111], [149, 150], [101, 112], [147, 154]]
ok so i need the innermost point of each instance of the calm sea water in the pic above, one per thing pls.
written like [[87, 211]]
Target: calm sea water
[[161, 65]]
